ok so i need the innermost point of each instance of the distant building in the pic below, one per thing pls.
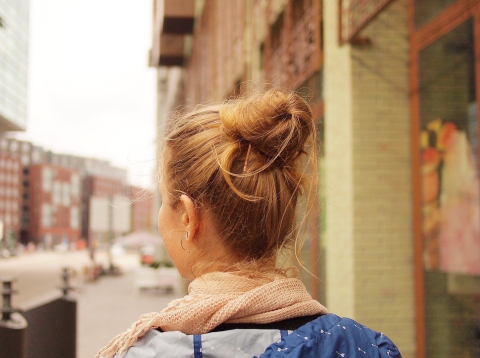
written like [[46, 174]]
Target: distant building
[[14, 30], [54, 205], [10, 199], [28, 154], [98, 177], [142, 206], [96, 187], [88, 166]]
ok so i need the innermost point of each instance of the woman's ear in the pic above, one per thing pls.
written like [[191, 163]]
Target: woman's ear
[[189, 217]]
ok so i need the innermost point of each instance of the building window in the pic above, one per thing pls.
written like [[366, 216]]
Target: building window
[[75, 182], [46, 215], [450, 191], [74, 218], [57, 192], [66, 194], [47, 179], [426, 10]]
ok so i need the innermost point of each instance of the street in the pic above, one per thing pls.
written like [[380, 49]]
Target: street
[[106, 307]]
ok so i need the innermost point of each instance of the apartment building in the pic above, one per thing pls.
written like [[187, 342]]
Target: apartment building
[[97, 187], [54, 205], [98, 177]]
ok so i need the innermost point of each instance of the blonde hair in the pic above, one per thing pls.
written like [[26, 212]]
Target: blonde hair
[[204, 156]]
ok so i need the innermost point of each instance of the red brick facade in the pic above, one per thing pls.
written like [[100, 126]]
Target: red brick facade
[[54, 208], [96, 186], [286, 47]]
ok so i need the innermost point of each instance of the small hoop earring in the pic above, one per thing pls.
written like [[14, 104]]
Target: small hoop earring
[[181, 241]]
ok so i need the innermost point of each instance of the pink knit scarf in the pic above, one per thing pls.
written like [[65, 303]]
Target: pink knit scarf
[[219, 297]]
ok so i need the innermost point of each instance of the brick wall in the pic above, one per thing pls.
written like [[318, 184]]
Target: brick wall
[[382, 186], [367, 147], [54, 208]]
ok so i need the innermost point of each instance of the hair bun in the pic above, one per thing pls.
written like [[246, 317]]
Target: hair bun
[[276, 123]]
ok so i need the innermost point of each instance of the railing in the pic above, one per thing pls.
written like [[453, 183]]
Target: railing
[[279, 66], [44, 330], [293, 52], [303, 47]]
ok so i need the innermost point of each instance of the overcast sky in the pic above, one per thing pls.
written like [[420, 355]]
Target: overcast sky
[[91, 91]]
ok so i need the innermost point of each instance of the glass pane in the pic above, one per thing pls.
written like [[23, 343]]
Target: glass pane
[[426, 10], [451, 215]]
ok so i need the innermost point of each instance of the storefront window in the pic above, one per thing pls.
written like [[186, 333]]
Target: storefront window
[[426, 10], [451, 215]]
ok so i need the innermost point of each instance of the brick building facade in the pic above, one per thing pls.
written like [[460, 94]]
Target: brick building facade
[[96, 187], [28, 156], [54, 209], [394, 85]]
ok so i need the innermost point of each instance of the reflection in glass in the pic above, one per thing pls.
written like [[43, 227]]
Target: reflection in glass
[[426, 10], [451, 215]]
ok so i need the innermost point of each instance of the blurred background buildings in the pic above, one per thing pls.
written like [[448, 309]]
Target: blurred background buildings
[[45, 196], [394, 86]]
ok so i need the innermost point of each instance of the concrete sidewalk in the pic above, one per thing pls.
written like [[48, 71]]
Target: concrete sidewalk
[[108, 306]]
